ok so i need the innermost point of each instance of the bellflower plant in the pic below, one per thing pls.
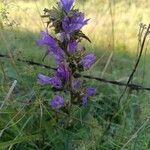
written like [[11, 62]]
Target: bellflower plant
[[71, 60]]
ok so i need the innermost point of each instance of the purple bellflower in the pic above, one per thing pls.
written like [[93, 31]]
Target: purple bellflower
[[70, 59], [54, 81], [74, 23], [72, 47], [63, 72], [84, 100], [77, 84], [57, 102], [90, 91], [42, 79], [88, 60], [47, 39], [66, 4], [52, 46]]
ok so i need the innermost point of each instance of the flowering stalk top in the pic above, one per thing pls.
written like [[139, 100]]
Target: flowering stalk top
[[70, 60], [66, 4]]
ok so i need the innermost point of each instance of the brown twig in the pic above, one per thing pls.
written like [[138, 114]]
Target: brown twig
[[129, 80], [136, 64]]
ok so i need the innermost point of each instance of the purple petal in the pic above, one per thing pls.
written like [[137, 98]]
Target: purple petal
[[66, 4], [90, 91], [88, 60], [42, 79], [74, 23], [72, 47], [84, 100], [52, 46], [56, 82], [47, 39], [57, 102], [63, 72], [77, 84]]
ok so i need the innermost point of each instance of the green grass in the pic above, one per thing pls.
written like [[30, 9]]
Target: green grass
[[30, 126]]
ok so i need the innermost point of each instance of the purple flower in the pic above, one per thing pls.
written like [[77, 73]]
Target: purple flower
[[57, 102], [84, 100], [72, 47], [42, 79], [74, 23], [88, 60], [52, 46], [54, 81], [63, 72], [77, 84], [47, 39], [66, 4], [90, 91], [69, 57]]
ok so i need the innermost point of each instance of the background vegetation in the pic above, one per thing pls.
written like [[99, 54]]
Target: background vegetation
[[113, 29]]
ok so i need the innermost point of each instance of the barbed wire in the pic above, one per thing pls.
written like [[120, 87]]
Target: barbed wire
[[118, 83]]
